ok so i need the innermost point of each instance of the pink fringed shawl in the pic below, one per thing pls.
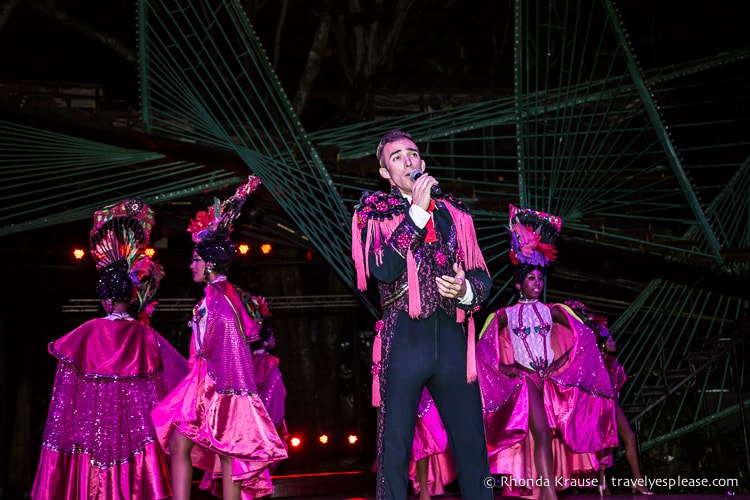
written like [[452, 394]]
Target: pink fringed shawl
[[378, 233]]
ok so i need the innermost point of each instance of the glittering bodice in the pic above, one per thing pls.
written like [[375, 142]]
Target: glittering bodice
[[529, 326]]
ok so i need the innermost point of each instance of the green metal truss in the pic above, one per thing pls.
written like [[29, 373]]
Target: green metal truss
[[685, 353]]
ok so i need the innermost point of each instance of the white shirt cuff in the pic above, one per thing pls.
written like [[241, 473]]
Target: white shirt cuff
[[469, 297], [419, 215]]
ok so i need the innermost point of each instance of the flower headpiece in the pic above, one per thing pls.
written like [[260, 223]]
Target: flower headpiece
[[148, 274], [118, 239], [581, 310], [218, 219], [598, 324], [532, 236], [257, 308], [256, 305]]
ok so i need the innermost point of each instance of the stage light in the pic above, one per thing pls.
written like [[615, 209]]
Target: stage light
[[323, 439], [308, 256], [295, 442], [78, 253], [266, 248], [243, 248], [352, 439], [150, 252]]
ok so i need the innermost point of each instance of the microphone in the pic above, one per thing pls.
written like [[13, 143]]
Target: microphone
[[435, 190]]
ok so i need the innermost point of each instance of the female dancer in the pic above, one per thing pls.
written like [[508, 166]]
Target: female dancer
[[545, 390], [607, 347], [215, 419], [99, 441]]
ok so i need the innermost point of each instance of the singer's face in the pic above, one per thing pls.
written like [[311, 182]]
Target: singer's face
[[398, 160]]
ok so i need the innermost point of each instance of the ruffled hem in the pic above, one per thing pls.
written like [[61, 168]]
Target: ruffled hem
[[70, 476], [257, 487], [517, 477], [441, 470], [233, 425]]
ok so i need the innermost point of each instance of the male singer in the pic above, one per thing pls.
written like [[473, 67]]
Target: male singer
[[431, 276]]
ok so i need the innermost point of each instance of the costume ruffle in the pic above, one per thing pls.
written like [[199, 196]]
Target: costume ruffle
[[99, 441], [234, 425], [578, 399], [431, 441], [73, 476]]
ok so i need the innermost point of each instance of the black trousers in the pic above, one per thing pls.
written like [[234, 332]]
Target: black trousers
[[432, 352]]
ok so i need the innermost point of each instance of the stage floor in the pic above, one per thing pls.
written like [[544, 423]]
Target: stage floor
[[361, 486]]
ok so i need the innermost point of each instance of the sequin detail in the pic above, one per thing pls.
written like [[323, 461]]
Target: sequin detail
[[530, 324]]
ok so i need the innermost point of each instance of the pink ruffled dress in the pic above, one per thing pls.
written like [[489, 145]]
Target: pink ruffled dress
[[431, 442], [272, 392], [578, 399], [99, 441], [217, 404], [271, 388]]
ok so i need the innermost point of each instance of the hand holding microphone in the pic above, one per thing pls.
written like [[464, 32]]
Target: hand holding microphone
[[435, 190]]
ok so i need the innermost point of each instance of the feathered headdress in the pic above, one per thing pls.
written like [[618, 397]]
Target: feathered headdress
[[118, 239], [218, 219], [210, 230], [120, 232], [532, 236]]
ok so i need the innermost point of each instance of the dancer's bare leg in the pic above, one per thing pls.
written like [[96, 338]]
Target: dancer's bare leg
[[627, 436], [230, 489], [181, 466], [542, 435], [422, 479]]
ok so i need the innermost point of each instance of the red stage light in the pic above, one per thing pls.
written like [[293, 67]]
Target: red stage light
[[78, 253], [352, 439], [323, 439], [295, 442], [150, 252], [243, 248], [266, 248]]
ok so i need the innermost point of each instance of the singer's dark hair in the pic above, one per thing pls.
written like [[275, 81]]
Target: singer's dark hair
[[392, 136]]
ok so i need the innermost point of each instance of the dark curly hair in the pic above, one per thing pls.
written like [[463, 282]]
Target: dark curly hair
[[264, 334], [219, 249], [115, 283]]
